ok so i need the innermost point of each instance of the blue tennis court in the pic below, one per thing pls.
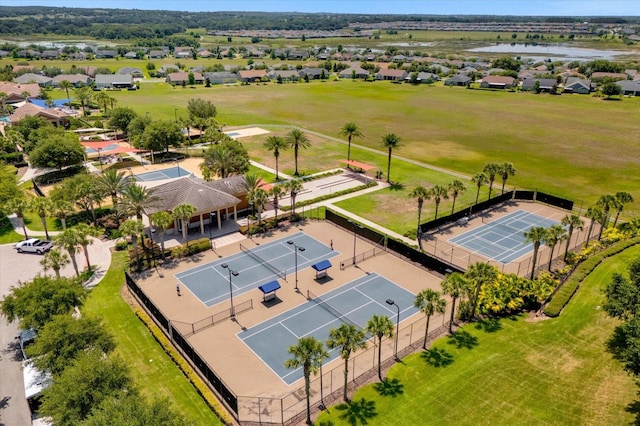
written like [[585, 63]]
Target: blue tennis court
[[354, 303], [169, 173], [262, 264], [503, 239]]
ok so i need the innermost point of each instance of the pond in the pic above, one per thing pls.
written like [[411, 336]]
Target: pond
[[553, 51]]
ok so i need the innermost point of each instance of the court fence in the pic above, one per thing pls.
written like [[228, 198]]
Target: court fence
[[326, 388], [189, 329]]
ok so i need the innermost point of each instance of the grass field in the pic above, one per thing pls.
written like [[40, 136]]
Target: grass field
[[553, 372], [153, 371], [566, 145]]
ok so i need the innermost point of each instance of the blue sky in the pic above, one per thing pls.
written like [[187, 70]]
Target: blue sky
[[441, 7]]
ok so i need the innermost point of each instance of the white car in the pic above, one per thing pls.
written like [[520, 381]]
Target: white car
[[33, 245]]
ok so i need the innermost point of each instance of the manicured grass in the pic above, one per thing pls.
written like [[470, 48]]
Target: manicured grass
[[153, 371], [553, 372], [567, 145], [7, 234], [33, 222]]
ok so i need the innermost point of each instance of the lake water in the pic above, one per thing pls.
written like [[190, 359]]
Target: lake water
[[553, 50]]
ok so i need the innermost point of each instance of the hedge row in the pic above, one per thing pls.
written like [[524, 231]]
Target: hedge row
[[570, 287], [196, 246], [185, 367], [329, 196], [15, 158]]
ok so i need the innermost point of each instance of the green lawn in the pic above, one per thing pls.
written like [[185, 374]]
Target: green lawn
[[553, 372], [7, 234], [153, 371], [568, 145]]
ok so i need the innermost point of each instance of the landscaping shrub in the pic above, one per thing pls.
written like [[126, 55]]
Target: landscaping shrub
[[121, 245], [329, 196], [196, 246], [569, 288]]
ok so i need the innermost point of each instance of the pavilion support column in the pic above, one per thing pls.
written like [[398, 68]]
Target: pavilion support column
[[235, 214], [201, 224], [218, 214]]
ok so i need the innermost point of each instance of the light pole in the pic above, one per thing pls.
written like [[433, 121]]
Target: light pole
[[395, 347], [355, 234], [100, 159], [175, 114], [235, 274], [296, 249]]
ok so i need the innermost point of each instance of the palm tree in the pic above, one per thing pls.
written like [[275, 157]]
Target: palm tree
[[65, 85], [162, 220], [596, 215], [554, 235], [573, 221], [476, 276], [455, 189], [350, 130], [251, 182], [420, 193], [453, 285], [390, 141], [18, 205], [297, 139], [113, 183], [479, 179], [429, 302], [348, 338], [61, 208], [133, 228], [184, 212], [506, 170], [83, 232], [84, 95], [308, 354], [491, 170], [136, 198], [276, 192], [623, 198], [41, 206], [535, 235], [380, 326], [259, 198], [68, 240], [276, 144], [294, 186], [54, 259], [102, 98], [606, 203], [439, 193]]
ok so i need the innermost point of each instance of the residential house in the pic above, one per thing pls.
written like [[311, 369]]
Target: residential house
[[313, 73], [180, 78], [440, 69], [458, 80], [40, 80], [166, 69], [423, 77], [3, 53], [19, 92], [297, 55], [90, 71], [135, 72], [77, 80], [221, 77], [543, 84], [578, 85], [49, 54], [157, 54], [497, 82], [284, 75], [110, 54], [391, 74], [52, 115], [78, 56], [250, 76], [629, 88], [354, 72], [114, 81], [131, 55]]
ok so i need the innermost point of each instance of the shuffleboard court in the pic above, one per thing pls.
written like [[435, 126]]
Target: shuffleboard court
[[262, 264], [355, 303], [503, 239], [168, 173]]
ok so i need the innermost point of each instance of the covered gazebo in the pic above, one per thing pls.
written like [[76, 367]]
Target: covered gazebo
[[358, 166]]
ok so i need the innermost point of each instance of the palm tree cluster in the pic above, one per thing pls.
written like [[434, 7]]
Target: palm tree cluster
[[309, 353], [437, 193], [294, 139], [488, 175]]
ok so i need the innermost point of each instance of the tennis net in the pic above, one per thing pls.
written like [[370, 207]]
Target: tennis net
[[323, 303], [269, 266]]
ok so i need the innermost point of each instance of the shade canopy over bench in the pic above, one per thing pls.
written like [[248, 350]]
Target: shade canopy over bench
[[321, 268], [269, 290]]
